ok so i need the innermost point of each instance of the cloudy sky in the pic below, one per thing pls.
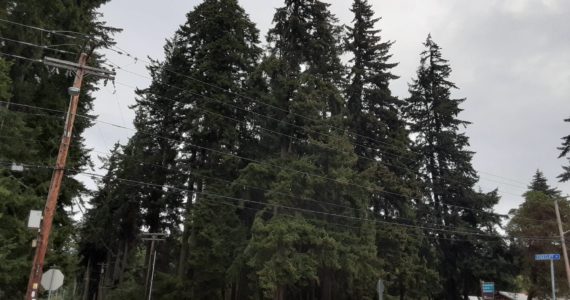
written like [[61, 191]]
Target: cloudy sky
[[510, 59]]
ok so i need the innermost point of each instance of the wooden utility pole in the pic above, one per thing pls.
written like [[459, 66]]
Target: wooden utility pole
[[562, 240], [81, 70], [152, 237]]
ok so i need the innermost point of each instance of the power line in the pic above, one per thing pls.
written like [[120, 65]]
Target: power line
[[277, 120], [273, 132], [124, 52], [286, 194], [44, 47], [44, 109], [21, 57], [123, 127], [242, 109], [247, 110], [328, 222], [135, 58], [304, 198], [256, 161], [121, 51], [162, 187], [62, 33], [270, 131], [265, 129], [93, 119], [273, 192]]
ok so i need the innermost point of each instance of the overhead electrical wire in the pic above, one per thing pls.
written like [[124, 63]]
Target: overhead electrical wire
[[162, 187], [135, 58], [304, 173], [292, 170], [272, 119], [284, 194], [273, 132], [95, 120], [391, 217], [304, 198], [121, 51], [44, 47], [62, 33], [21, 57]]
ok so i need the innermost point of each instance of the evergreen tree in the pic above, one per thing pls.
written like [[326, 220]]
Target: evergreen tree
[[109, 236], [540, 184], [564, 150], [447, 174], [15, 196], [149, 156], [296, 254], [381, 141], [219, 48], [182, 134], [33, 84], [372, 109], [535, 217]]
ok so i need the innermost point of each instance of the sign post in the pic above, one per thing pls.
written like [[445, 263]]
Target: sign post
[[488, 289], [551, 258], [52, 280], [552, 279], [380, 289]]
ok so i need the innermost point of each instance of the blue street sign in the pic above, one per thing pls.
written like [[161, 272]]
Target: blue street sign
[[488, 287], [547, 257]]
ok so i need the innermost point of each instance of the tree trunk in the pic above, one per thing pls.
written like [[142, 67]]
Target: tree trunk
[[185, 242], [326, 285], [279, 293], [124, 263], [87, 280]]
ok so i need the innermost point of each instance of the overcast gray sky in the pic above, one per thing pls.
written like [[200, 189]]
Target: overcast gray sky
[[510, 59]]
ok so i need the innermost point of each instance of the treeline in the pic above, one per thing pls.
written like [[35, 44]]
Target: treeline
[[283, 173], [271, 170]]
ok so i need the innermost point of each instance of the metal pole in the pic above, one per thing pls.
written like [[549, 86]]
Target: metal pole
[[50, 285], [55, 186], [552, 279], [563, 242], [149, 268], [152, 275]]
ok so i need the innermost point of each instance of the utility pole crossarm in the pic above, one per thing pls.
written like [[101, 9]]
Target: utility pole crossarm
[[72, 66]]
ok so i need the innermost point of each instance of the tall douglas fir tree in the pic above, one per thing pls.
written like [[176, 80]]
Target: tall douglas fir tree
[[381, 141], [218, 46], [310, 166], [192, 124], [448, 179]]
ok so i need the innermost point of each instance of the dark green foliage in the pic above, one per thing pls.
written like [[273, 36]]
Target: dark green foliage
[[219, 46], [180, 117], [277, 174], [564, 150], [540, 184], [533, 218], [448, 176], [381, 141], [295, 254], [373, 111], [32, 136], [16, 197]]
